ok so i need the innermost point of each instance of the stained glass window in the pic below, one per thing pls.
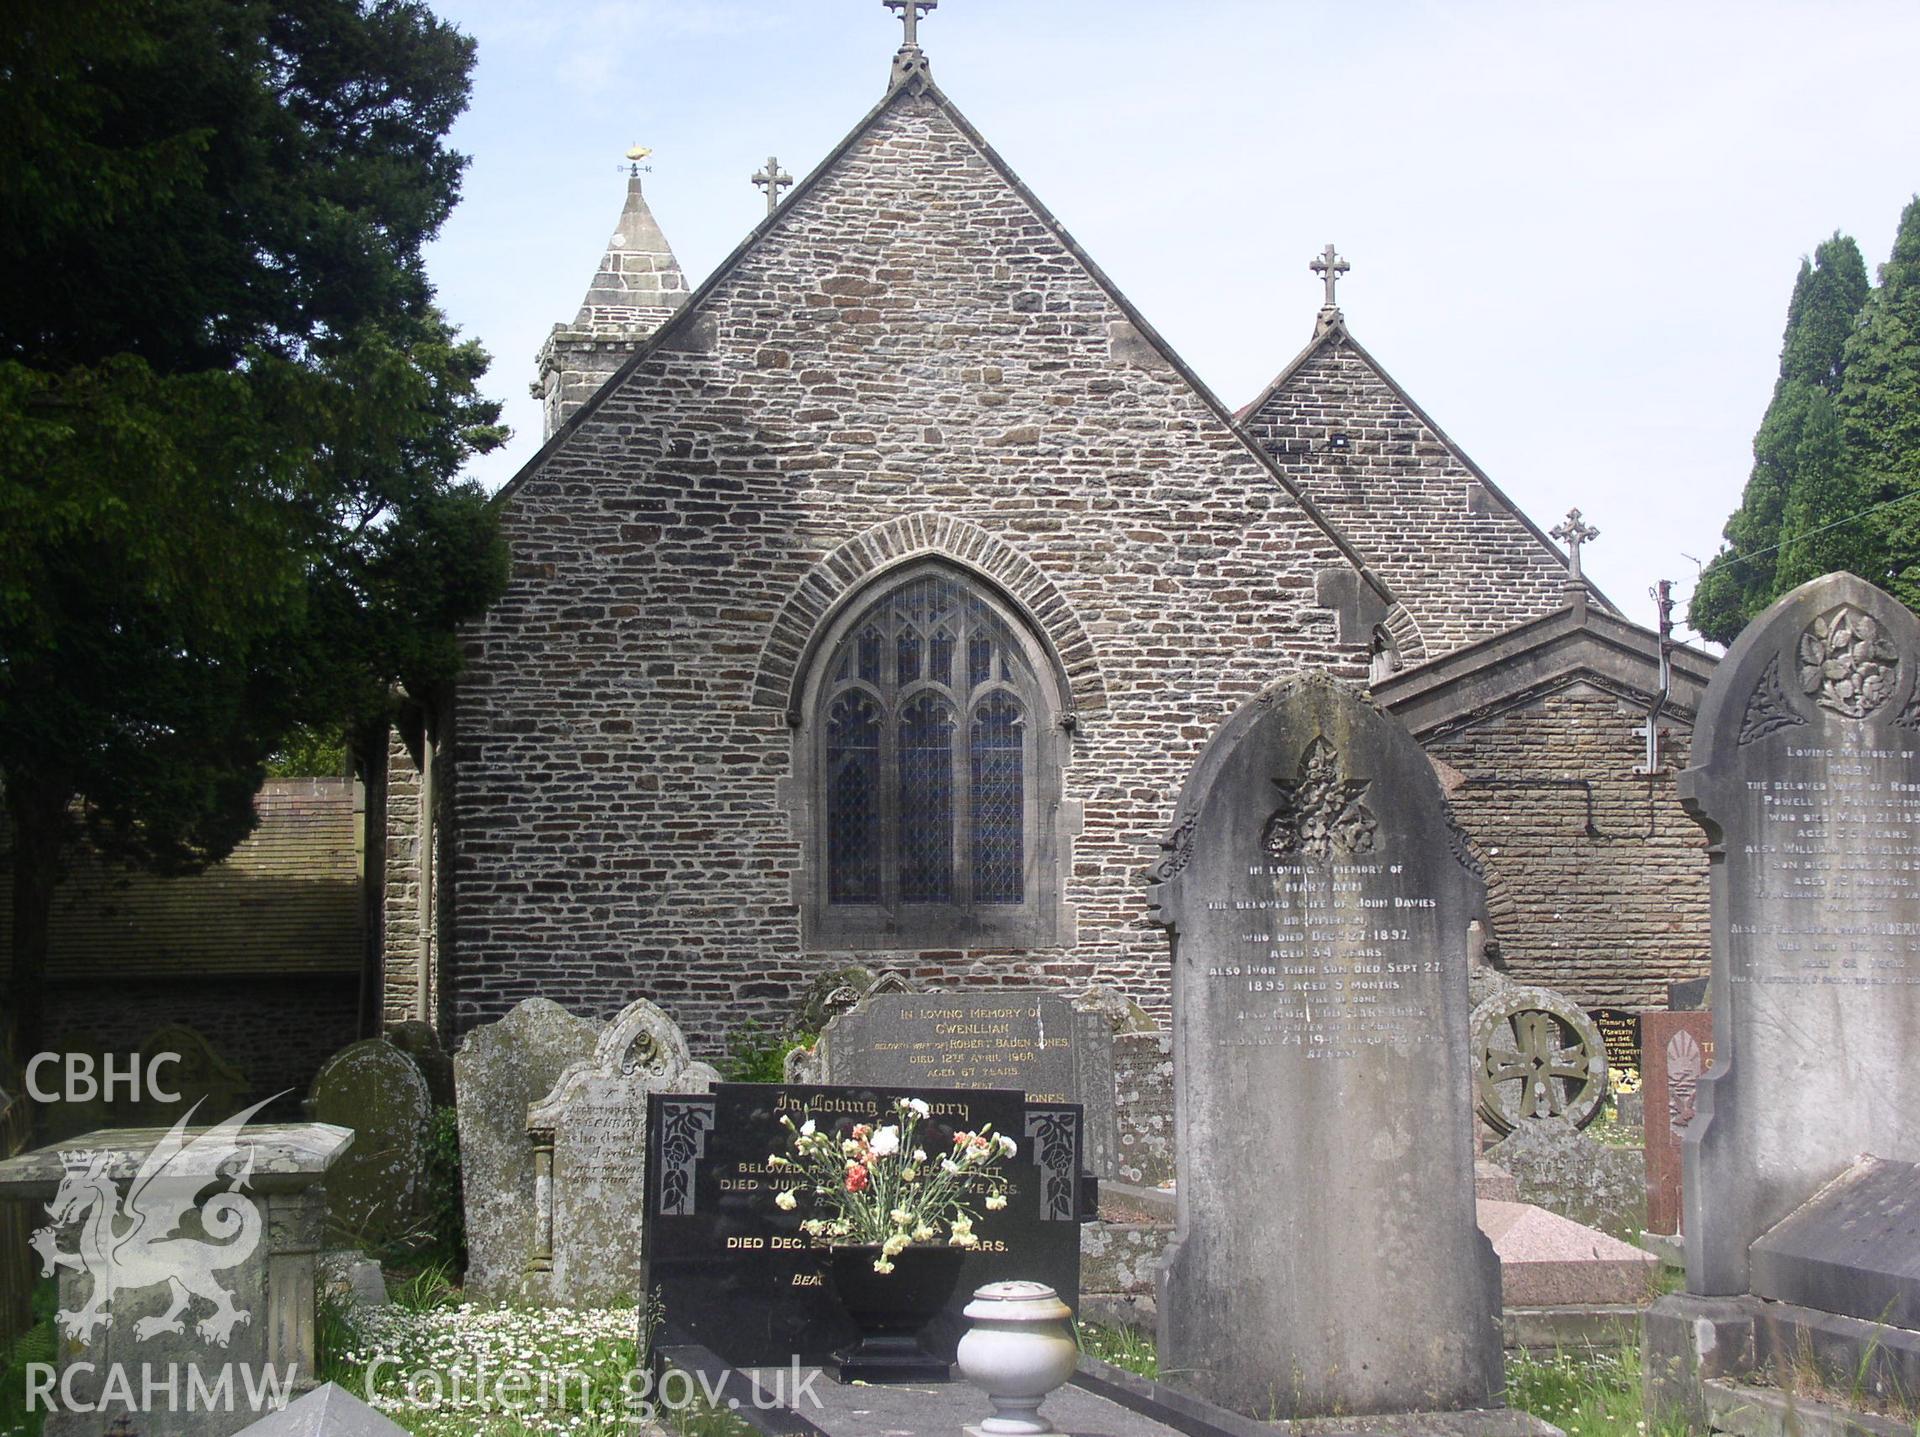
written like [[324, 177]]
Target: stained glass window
[[997, 749], [853, 800], [926, 801], [927, 733]]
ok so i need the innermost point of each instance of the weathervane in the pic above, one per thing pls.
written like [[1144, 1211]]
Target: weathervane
[[773, 179], [633, 167]]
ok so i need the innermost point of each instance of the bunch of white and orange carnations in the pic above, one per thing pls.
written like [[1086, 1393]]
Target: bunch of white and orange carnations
[[878, 1185]]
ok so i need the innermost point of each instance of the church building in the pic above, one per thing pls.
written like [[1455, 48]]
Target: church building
[[871, 602]]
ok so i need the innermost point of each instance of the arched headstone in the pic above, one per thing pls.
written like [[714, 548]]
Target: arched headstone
[[374, 1190], [1326, 1259], [1806, 776], [590, 1151]]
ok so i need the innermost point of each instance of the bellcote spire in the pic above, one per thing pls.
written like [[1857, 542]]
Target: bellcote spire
[[639, 283]]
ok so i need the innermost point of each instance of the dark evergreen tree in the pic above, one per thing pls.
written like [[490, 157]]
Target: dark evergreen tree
[[231, 418], [1801, 479], [1880, 410]]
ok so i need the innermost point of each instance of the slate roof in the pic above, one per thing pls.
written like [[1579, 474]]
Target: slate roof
[[286, 902]]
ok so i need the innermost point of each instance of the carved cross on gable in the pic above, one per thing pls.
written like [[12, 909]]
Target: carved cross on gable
[[773, 179], [1573, 534], [911, 12], [1329, 266]]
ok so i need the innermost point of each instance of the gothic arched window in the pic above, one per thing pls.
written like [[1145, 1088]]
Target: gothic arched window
[[937, 757]]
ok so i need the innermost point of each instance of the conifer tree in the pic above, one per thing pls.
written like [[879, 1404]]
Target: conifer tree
[[1880, 410], [1802, 479]]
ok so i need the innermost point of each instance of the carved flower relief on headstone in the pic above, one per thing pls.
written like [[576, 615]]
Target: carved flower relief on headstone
[[1320, 812], [1685, 1066], [1536, 1055], [1847, 663]]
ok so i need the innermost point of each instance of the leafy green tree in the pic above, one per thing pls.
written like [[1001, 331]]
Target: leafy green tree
[[1880, 408], [1801, 477], [231, 418]]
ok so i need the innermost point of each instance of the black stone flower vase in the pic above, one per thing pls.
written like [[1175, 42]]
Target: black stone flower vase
[[891, 1309]]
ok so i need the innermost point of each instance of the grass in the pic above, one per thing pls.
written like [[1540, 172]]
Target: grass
[[1586, 1393], [1590, 1392], [37, 1344]]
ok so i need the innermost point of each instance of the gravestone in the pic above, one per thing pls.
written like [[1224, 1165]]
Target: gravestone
[[726, 1268], [1536, 1055], [210, 1281], [1676, 1051], [420, 1042], [374, 1191], [1025, 1040], [1326, 1258], [589, 1152], [501, 1070], [1806, 776], [327, 1411], [1620, 1031]]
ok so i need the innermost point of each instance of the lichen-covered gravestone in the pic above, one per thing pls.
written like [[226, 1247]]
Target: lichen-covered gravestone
[[1326, 1259], [374, 1191], [501, 1070], [1806, 775], [589, 1141]]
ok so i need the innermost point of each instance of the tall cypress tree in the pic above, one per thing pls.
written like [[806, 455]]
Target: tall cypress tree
[[1880, 409], [1802, 478]]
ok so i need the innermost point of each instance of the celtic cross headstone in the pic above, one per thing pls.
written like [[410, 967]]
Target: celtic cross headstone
[[1319, 897], [1806, 776]]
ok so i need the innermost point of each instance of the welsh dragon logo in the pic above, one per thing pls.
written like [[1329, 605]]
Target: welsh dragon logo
[[140, 1240]]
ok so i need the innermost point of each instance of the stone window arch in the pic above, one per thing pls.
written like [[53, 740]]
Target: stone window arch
[[933, 754]]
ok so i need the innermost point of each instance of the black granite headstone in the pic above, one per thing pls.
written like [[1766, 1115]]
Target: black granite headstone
[[1620, 1028], [732, 1272]]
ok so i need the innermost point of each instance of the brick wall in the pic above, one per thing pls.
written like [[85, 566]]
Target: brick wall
[[1461, 562], [911, 352], [1608, 920]]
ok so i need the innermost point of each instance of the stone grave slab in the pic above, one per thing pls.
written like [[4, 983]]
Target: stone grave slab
[[374, 1192], [736, 1275], [1026, 1040], [1320, 897], [1854, 1248], [1550, 1261], [1676, 1051], [501, 1070], [215, 1273], [1806, 774], [589, 1145]]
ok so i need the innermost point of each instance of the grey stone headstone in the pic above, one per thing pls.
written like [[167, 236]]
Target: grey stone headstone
[[1806, 773], [374, 1192], [420, 1042], [595, 1121], [1326, 1258], [1036, 1042], [1853, 1249], [329, 1411], [501, 1070]]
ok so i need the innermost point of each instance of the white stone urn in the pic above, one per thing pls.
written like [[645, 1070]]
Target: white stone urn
[[1019, 1349]]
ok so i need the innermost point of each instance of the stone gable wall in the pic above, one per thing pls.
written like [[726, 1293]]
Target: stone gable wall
[[1609, 921], [911, 342], [1463, 565]]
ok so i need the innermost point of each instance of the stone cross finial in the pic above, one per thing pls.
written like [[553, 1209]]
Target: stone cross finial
[[1573, 534], [911, 11], [1329, 266], [773, 179]]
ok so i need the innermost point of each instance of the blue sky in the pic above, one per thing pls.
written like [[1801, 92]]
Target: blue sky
[[1573, 227]]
